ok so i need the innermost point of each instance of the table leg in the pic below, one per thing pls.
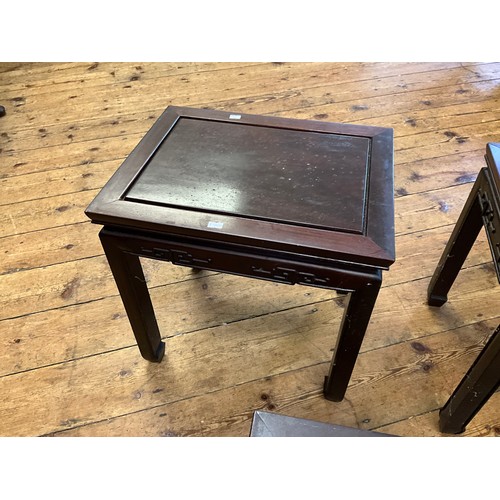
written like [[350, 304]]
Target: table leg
[[458, 247], [352, 331], [480, 382], [129, 277]]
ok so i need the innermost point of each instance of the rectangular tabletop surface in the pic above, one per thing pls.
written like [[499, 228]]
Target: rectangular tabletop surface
[[324, 189], [292, 176]]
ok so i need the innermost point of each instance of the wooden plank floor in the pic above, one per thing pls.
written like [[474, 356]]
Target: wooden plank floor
[[68, 362]]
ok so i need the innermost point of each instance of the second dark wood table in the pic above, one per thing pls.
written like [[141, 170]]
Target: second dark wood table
[[292, 201], [482, 209]]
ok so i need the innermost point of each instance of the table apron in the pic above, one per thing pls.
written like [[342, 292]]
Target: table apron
[[488, 200], [336, 276]]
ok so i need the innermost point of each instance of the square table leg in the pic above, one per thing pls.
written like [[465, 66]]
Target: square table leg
[[355, 321], [458, 247], [479, 383], [129, 277]]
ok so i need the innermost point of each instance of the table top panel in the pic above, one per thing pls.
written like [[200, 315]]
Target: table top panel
[[292, 176]]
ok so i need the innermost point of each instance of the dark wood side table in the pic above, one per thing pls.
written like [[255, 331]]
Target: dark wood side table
[[481, 209], [292, 201]]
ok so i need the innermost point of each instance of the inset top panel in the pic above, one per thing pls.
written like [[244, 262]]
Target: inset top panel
[[253, 171]]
